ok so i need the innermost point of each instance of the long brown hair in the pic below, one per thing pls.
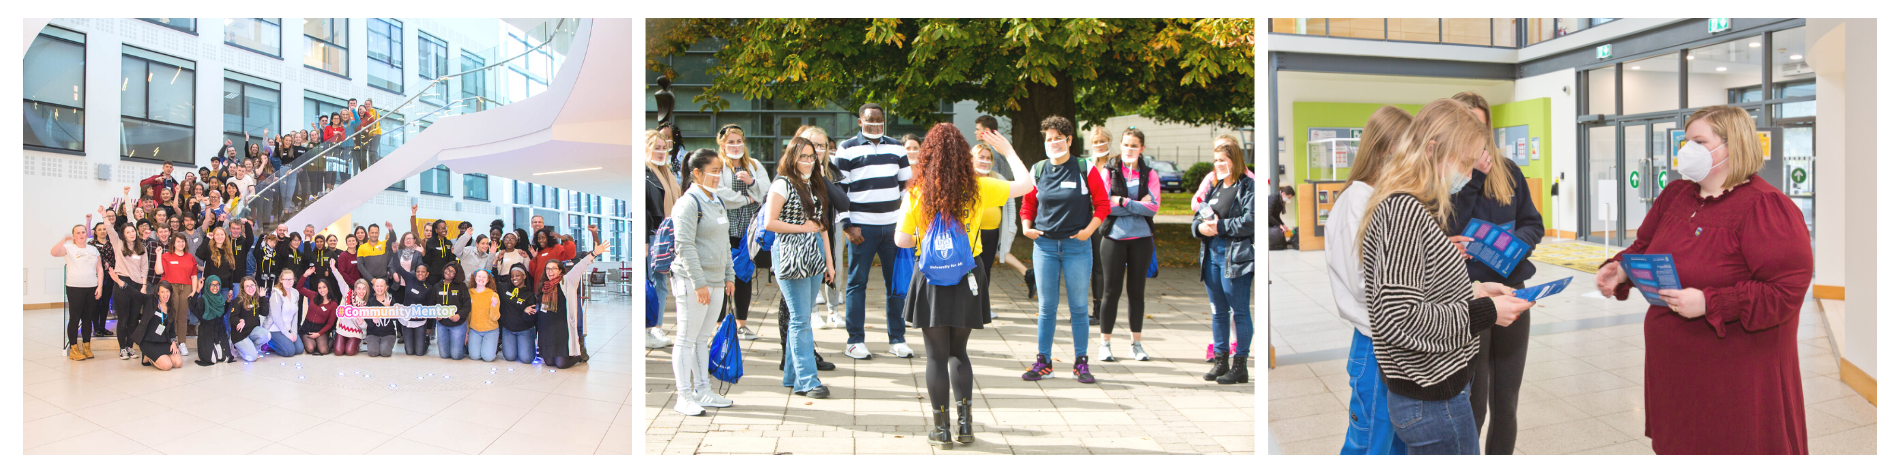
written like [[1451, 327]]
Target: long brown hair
[[788, 169], [1498, 183], [1377, 143], [226, 251], [945, 183]]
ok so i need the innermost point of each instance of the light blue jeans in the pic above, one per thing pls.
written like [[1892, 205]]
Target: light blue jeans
[[1435, 427], [452, 341], [283, 345], [481, 345], [801, 369], [1062, 263], [518, 346], [1370, 432], [247, 349]]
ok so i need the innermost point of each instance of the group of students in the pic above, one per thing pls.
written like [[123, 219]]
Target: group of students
[[1440, 339], [882, 195], [166, 275]]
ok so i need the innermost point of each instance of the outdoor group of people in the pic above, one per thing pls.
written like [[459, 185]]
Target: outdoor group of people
[[170, 268], [887, 197], [1440, 338]]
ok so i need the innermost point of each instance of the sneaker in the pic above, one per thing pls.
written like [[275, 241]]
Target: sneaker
[[1039, 370], [125, 353], [708, 398], [816, 393], [857, 350], [655, 342], [1082, 371], [683, 404], [662, 335], [746, 333], [1107, 355], [1135, 351], [182, 351], [901, 350]]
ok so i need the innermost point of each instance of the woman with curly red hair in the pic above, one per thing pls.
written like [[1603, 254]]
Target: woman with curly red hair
[[943, 184]]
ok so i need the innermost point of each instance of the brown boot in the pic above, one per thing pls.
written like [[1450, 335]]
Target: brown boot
[[73, 353], [86, 348]]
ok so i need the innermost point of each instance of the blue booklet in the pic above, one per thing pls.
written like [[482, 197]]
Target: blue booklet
[[1651, 274], [1494, 246], [1541, 291]]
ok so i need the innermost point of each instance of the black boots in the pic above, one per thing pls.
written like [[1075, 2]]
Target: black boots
[[965, 433], [1029, 278], [1220, 367], [1236, 375], [940, 434]]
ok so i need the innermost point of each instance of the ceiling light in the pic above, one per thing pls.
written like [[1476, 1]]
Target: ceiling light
[[1720, 69], [1692, 57], [1796, 57], [567, 171], [1636, 67], [1754, 45]]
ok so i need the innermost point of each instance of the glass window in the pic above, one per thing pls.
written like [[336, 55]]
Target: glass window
[[435, 181], [529, 74], [524, 193], [574, 201], [1371, 28], [433, 62], [475, 84], [581, 241], [385, 54], [402, 185], [1716, 69], [55, 78], [251, 106], [1312, 26], [1791, 63], [263, 35], [188, 25], [475, 186], [157, 103], [1602, 86], [550, 196], [317, 105], [1651, 84], [327, 45], [1475, 31]]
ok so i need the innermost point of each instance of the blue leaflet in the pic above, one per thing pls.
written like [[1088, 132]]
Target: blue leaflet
[[1541, 291], [1495, 246], [1651, 274]]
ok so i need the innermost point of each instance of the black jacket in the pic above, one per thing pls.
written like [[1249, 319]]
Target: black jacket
[[1472, 202], [455, 294], [514, 304], [1237, 229]]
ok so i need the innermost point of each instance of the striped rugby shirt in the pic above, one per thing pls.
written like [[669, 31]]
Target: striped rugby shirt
[[875, 172], [1419, 299]]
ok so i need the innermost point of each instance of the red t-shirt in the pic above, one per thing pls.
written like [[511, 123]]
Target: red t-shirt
[[561, 252], [179, 269]]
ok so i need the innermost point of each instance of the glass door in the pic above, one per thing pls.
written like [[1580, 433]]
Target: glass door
[[1600, 211]]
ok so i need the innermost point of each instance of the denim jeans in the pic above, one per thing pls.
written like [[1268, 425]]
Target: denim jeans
[[1371, 430], [879, 241], [452, 342], [518, 346], [1233, 311], [801, 368], [247, 349], [481, 345], [659, 283], [1063, 264], [1435, 427], [282, 344]]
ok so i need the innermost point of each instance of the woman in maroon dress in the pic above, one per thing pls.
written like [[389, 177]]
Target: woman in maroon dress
[[1720, 369]]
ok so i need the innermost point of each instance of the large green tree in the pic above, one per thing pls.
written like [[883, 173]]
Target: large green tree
[[1191, 71]]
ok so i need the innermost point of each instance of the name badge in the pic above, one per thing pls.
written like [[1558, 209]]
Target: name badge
[[721, 220], [1068, 185], [161, 329]]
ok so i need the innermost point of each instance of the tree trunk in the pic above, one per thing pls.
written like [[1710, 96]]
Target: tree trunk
[[1026, 122]]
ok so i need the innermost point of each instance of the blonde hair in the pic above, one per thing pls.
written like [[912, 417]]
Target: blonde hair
[[982, 149], [1442, 132], [1737, 131], [1100, 134], [745, 160], [1378, 141], [667, 180], [1497, 183]]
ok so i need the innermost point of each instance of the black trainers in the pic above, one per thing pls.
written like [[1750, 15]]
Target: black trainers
[[820, 392]]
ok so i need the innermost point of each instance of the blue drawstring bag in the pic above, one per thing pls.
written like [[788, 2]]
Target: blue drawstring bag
[[1154, 263], [742, 266], [901, 271], [946, 252], [653, 306], [726, 362]]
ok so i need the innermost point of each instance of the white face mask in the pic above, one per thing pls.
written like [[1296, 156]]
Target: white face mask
[[1130, 155], [1056, 149], [869, 135], [735, 152], [658, 158], [1222, 174], [806, 175], [1694, 161], [1100, 151]]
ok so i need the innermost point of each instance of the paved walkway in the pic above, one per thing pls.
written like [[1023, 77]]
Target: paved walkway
[[879, 405], [1583, 379]]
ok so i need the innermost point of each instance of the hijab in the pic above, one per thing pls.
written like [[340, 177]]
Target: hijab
[[214, 303]]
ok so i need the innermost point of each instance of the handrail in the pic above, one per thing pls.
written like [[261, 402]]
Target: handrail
[[425, 89]]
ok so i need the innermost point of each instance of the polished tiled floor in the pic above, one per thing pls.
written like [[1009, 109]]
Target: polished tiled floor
[[878, 406], [330, 404], [1582, 391]]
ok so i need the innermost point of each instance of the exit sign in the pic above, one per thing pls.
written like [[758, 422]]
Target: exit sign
[[1603, 52], [1718, 25]]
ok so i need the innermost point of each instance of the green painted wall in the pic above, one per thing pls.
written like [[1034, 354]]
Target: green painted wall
[[1534, 113]]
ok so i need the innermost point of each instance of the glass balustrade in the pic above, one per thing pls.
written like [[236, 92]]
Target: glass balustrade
[[305, 179]]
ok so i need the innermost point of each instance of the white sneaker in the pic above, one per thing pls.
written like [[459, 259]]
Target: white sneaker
[[709, 398], [837, 321], [1107, 355], [182, 351], [684, 404], [125, 353], [857, 351], [662, 334], [1135, 351], [654, 342], [746, 333], [901, 350]]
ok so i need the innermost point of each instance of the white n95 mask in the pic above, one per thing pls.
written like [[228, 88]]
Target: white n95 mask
[[1694, 161]]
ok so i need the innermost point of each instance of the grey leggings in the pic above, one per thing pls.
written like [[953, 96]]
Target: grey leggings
[[1499, 369], [379, 345]]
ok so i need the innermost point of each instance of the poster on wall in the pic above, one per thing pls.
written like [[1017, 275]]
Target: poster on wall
[[1534, 153], [1514, 140]]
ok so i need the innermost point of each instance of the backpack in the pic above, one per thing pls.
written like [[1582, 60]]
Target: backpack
[[665, 243], [757, 238], [946, 255]]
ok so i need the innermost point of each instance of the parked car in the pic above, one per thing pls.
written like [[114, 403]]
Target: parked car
[[1170, 175]]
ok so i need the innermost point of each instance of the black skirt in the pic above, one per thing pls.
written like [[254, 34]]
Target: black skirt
[[960, 306], [308, 327], [154, 350]]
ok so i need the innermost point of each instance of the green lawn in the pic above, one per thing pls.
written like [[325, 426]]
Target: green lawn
[[1176, 203]]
